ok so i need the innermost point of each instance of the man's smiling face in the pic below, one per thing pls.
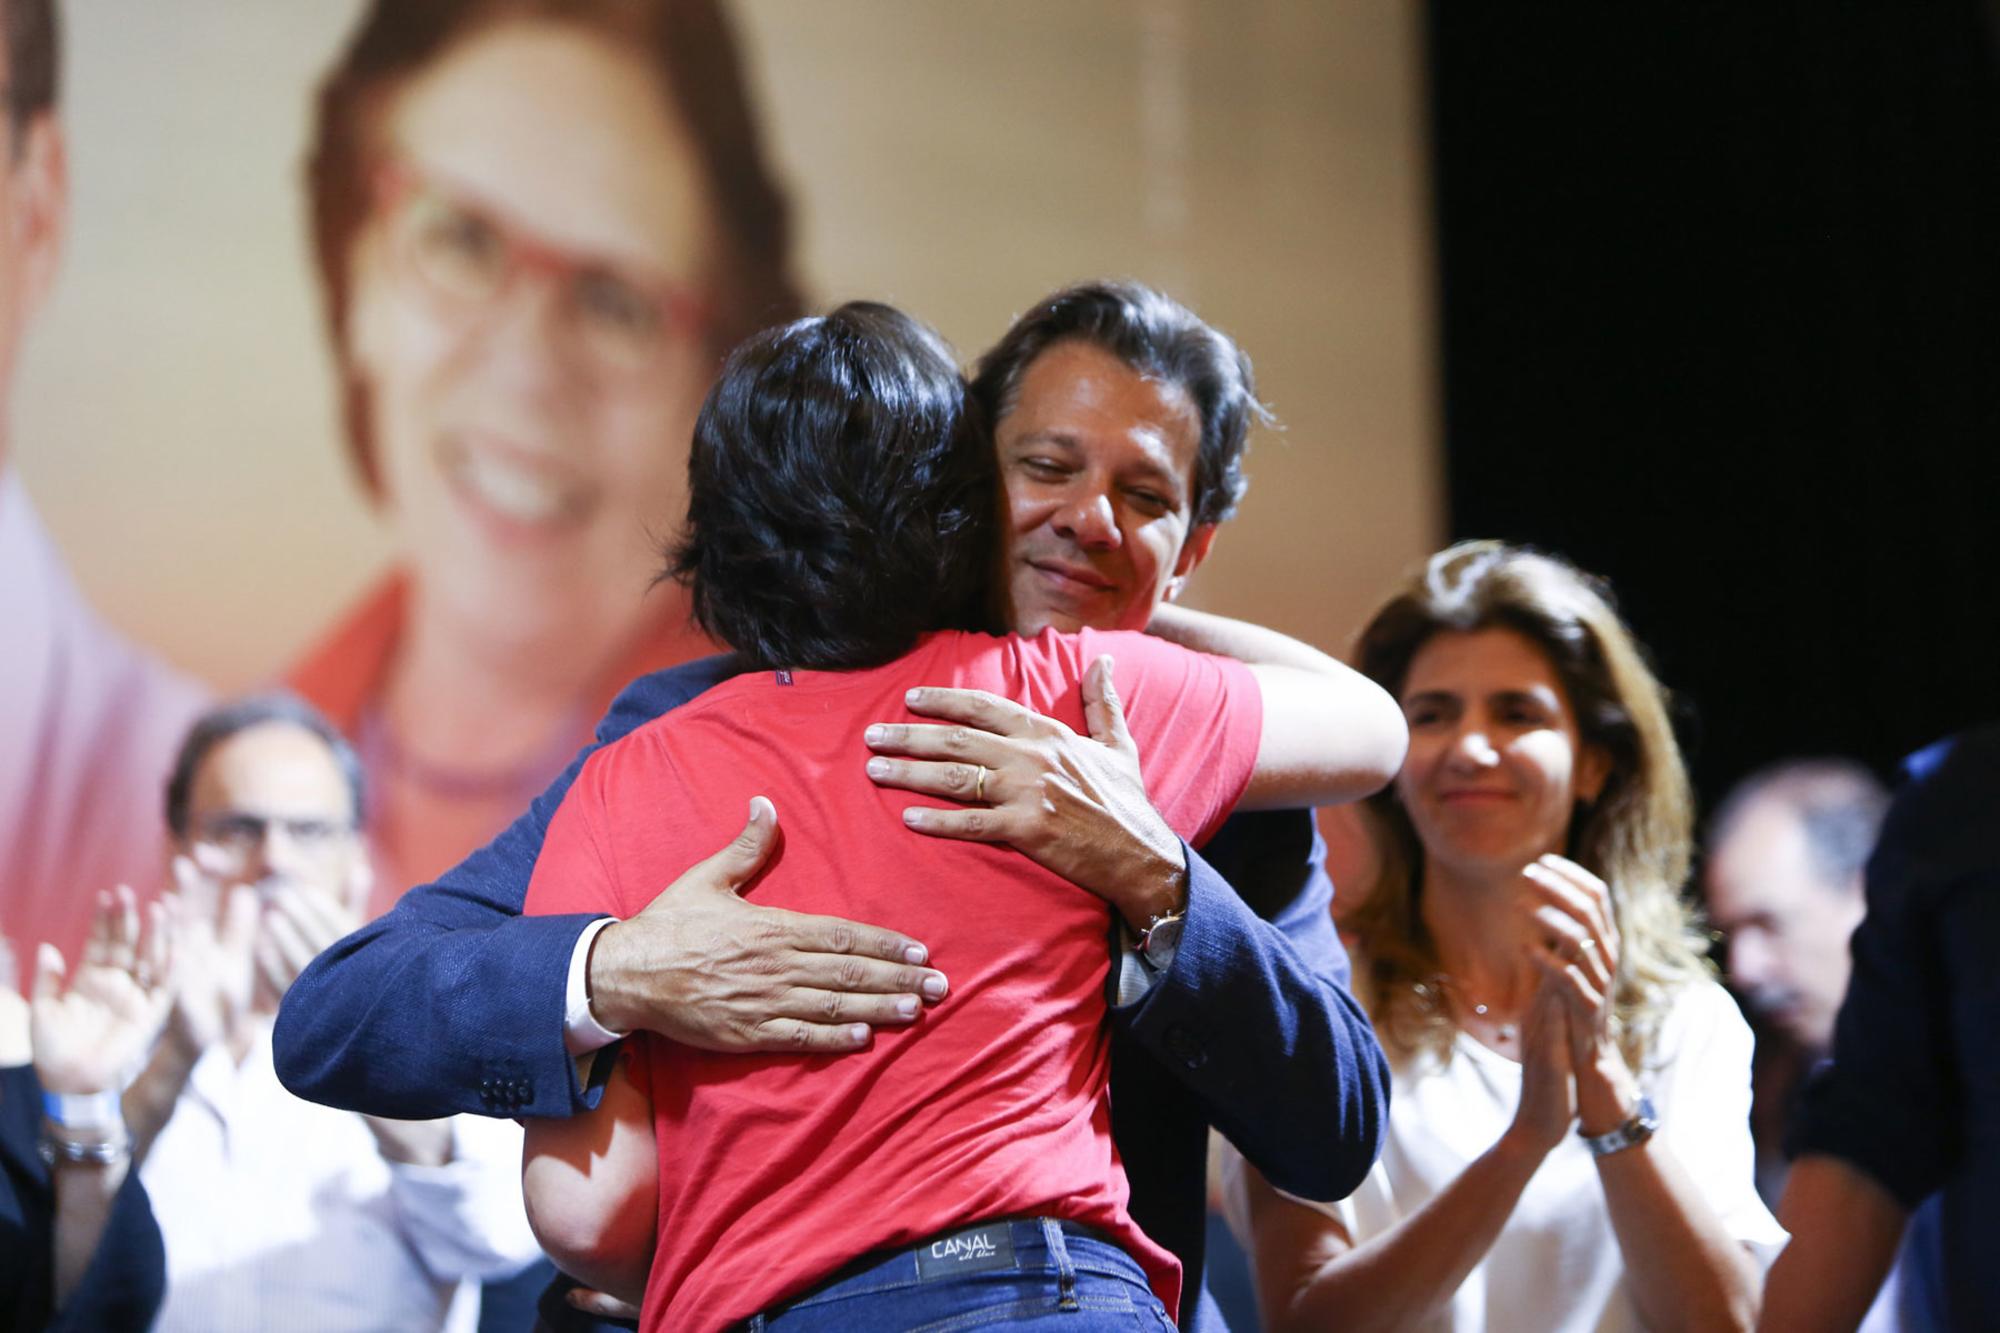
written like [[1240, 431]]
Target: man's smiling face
[[1097, 463]]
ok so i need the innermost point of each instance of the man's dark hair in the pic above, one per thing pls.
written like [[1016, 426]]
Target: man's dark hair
[[1158, 338], [840, 495], [1839, 804], [34, 63], [218, 724]]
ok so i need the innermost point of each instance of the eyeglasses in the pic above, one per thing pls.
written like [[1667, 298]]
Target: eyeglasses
[[469, 257], [236, 834]]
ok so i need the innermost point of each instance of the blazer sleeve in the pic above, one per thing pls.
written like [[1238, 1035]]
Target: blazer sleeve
[[453, 1001], [1254, 1016]]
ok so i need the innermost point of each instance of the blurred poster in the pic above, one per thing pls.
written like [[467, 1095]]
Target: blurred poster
[[373, 334]]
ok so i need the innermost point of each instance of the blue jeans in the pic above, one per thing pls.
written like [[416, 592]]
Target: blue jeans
[[1040, 1274]]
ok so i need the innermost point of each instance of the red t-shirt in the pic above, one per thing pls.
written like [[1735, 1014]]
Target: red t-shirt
[[777, 1170]]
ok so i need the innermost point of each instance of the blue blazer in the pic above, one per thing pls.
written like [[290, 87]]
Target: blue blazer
[[454, 1001]]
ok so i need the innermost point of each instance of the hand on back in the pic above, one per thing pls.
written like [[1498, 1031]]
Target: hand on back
[[1073, 804], [703, 966]]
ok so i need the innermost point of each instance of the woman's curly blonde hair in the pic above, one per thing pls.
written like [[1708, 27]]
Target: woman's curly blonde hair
[[1635, 836]]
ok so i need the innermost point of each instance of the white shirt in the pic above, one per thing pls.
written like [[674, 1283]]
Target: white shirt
[[282, 1214], [1556, 1264]]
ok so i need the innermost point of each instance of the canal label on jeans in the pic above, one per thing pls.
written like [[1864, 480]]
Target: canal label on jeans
[[963, 1252]]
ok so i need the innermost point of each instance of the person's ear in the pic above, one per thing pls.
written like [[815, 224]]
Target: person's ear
[[1193, 551], [1593, 770], [37, 211]]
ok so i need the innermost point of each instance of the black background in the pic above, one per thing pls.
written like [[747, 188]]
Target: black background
[[1720, 310]]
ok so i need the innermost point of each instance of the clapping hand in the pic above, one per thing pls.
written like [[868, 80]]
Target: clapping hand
[[299, 922], [233, 939], [214, 968], [1548, 1090], [90, 1034], [1574, 941]]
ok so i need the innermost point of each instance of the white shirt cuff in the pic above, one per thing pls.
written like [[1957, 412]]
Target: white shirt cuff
[[582, 1033], [1137, 974]]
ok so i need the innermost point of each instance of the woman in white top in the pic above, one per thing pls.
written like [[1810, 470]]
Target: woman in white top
[[1569, 1145]]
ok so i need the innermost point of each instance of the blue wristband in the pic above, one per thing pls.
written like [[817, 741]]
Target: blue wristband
[[83, 1110]]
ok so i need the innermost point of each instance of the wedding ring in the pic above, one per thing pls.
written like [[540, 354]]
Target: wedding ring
[[979, 786]]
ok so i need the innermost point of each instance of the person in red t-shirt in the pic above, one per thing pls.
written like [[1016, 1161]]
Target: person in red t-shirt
[[839, 538]]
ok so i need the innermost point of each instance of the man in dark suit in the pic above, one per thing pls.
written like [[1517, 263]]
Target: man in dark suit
[[1905, 1119], [1120, 426]]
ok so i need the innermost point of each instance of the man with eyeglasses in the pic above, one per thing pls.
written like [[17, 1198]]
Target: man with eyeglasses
[[274, 1209], [88, 722]]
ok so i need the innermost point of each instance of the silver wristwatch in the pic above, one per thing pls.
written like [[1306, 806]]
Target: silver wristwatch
[[1161, 939], [1635, 1131]]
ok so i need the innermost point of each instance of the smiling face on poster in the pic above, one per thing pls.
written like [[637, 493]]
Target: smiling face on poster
[[536, 227], [532, 191], [527, 326]]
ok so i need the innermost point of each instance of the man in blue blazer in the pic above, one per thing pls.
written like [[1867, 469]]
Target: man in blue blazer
[[1231, 1007]]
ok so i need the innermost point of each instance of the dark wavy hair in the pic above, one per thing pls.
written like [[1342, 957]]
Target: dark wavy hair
[[841, 495], [1159, 338], [690, 47]]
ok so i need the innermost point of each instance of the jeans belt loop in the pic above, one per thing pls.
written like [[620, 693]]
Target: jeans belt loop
[[1052, 1236]]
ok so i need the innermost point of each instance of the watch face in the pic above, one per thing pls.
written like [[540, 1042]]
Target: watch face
[[1163, 938]]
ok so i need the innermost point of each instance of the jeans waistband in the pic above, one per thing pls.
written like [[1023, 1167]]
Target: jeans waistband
[[963, 1251]]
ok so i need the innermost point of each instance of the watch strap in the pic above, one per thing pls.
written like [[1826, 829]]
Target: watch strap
[[55, 1148], [1638, 1127]]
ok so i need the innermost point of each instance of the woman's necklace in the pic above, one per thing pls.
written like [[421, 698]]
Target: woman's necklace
[[1478, 1008], [1504, 1031]]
